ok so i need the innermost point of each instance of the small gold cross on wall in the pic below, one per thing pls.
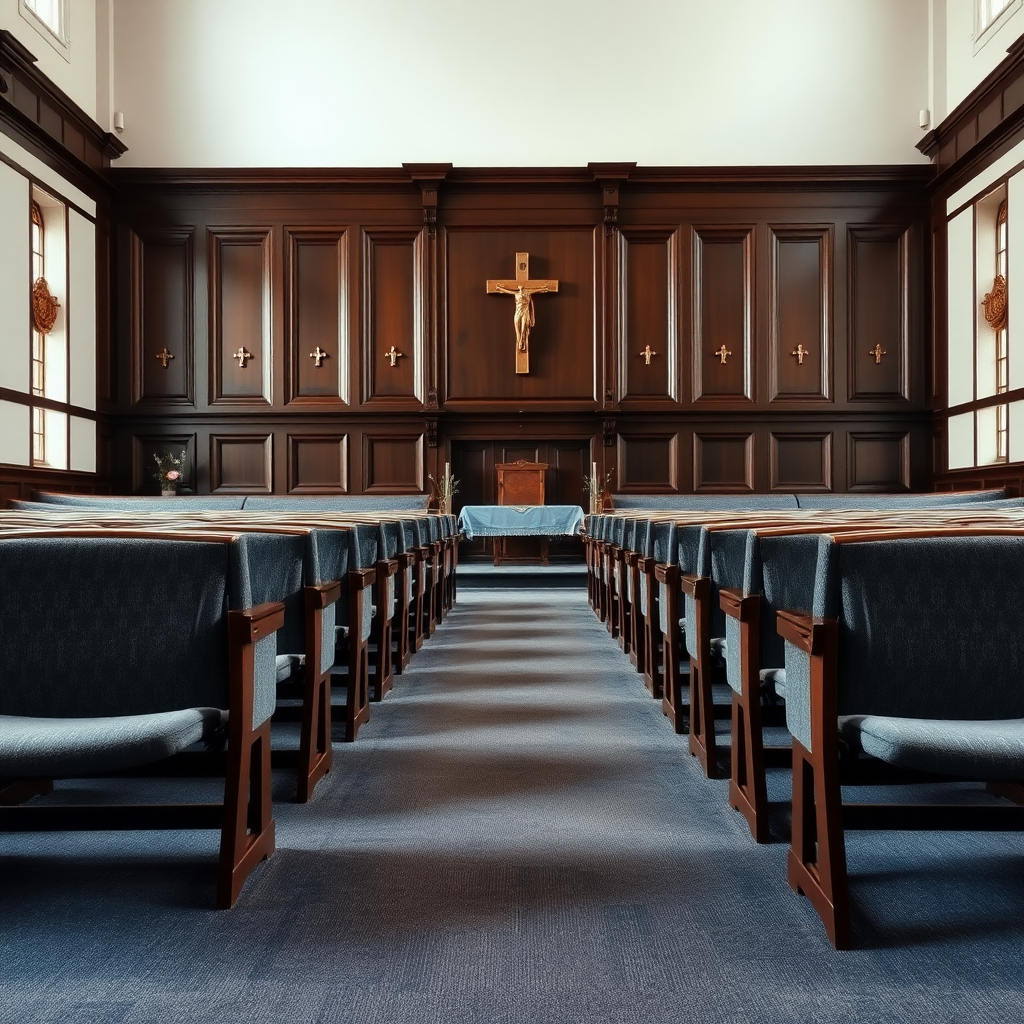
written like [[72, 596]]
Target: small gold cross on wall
[[164, 357], [242, 355], [723, 353], [800, 352], [877, 352], [647, 353], [394, 355], [318, 356]]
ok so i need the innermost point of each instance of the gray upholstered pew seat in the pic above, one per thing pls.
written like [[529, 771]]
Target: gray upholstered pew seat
[[912, 653], [120, 650]]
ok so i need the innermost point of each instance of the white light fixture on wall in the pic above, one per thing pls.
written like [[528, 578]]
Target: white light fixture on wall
[[924, 119], [118, 121]]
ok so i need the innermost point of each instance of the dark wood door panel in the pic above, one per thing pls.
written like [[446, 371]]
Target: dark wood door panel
[[723, 461], [317, 464], [394, 311], [393, 463], [648, 463], [722, 300], [316, 316], [878, 268], [162, 288], [242, 463], [648, 302], [146, 448], [878, 461], [240, 297], [801, 461], [480, 336], [800, 312]]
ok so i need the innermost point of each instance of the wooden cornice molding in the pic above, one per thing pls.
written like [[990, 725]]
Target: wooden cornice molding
[[989, 113], [38, 115], [827, 178], [429, 178]]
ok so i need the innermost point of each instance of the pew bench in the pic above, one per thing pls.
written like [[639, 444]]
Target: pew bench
[[104, 671]]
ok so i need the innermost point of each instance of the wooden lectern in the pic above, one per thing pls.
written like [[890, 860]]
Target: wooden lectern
[[520, 483]]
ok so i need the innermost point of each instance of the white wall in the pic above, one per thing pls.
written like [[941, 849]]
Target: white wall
[[488, 83], [966, 64], [77, 76]]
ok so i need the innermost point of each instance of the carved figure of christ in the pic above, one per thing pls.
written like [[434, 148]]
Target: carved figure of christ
[[523, 290]]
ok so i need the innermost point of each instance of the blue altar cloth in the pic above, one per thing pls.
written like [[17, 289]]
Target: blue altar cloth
[[520, 520]]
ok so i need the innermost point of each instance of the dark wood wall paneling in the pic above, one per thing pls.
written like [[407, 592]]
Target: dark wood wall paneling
[[676, 266]]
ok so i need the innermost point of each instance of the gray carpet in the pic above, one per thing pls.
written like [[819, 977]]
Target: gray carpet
[[517, 836]]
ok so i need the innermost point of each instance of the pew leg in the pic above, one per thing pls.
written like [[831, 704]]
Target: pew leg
[[247, 833], [817, 853], [382, 680], [357, 707], [653, 672], [702, 720], [316, 755], [672, 700], [748, 791]]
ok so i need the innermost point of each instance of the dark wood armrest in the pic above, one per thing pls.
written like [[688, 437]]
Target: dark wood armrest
[[247, 625], [632, 558], [322, 595], [666, 573], [407, 558], [362, 578], [694, 586], [731, 601], [387, 567], [422, 553], [646, 565], [801, 630]]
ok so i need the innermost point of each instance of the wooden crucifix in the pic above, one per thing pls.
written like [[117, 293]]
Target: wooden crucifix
[[523, 289]]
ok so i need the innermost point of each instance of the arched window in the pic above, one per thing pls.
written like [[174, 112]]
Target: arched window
[[1002, 360]]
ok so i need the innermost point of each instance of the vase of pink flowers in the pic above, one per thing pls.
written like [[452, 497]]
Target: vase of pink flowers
[[168, 472]]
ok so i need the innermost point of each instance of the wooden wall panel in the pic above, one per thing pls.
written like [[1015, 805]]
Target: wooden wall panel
[[878, 268], [480, 337], [722, 296], [800, 312], [395, 315], [723, 461], [242, 463], [878, 461], [648, 303], [393, 463], [316, 316], [145, 449], [239, 296], [317, 464], [800, 461], [161, 343], [648, 462]]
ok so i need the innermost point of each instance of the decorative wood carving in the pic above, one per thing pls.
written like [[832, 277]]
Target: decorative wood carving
[[44, 307]]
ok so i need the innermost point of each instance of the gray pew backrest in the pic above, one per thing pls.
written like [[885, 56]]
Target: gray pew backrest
[[704, 502], [184, 503], [97, 627], [925, 629], [338, 503], [880, 501]]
